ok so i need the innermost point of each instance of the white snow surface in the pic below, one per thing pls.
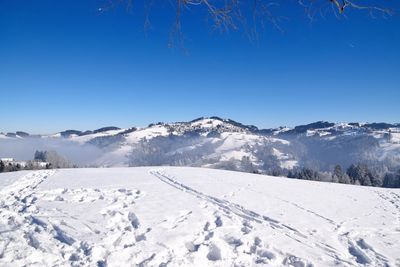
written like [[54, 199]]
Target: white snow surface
[[148, 133], [395, 138], [286, 162], [85, 138], [170, 216], [207, 123]]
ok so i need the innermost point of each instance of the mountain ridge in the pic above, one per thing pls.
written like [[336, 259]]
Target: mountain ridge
[[251, 128], [225, 144]]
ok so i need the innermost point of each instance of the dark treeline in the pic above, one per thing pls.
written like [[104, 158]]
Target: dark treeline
[[20, 166], [193, 149], [357, 174], [41, 160]]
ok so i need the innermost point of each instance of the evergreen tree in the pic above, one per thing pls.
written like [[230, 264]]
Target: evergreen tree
[[291, 174], [2, 166], [276, 172], [345, 179], [40, 156], [247, 165], [352, 173], [307, 174], [337, 175], [392, 180], [360, 174], [375, 179]]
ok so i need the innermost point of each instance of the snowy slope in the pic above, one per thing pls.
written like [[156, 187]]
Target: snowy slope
[[223, 144], [192, 217], [86, 138], [231, 143]]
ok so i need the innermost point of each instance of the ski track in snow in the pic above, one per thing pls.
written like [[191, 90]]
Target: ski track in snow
[[228, 210], [228, 234], [362, 252]]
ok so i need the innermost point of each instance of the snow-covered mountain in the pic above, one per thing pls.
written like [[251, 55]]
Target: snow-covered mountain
[[170, 216], [226, 144]]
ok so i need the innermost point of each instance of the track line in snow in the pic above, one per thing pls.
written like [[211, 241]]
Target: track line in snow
[[247, 217], [46, 228], [353, 246], [227, 206], [18, 195], [393, 200]]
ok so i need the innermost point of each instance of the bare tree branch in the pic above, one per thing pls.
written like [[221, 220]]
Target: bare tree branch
[[248, 15]]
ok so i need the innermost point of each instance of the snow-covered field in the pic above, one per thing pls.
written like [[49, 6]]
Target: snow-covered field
[[192, 217]]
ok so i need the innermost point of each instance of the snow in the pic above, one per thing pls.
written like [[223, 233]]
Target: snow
[[9, 178], [56, 135], [285, 161], [7, 160], [395, 138], [317, 132], [236, 155], [222, 140], [282, 130], [119, 156], [116, 158], [237, 145], [234, 145], [86, 138], [148, 133], [235, 141], [207, 123], [192, 217]]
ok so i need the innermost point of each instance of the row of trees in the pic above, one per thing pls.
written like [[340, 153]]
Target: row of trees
[[16, 166], [196, 150], [185, 151], [392, 180], [358, 174], [53, 158], [41, 160]]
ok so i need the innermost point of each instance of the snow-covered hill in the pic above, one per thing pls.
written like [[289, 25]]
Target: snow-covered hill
[[226, 144], [169, 216]]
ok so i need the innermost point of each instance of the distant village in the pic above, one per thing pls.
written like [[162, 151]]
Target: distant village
[[41, 160], [10, 165]]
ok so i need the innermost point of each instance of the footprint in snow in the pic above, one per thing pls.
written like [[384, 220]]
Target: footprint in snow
[[246, 227], [233, 241], [214, 253], [218, 221], [134, 220]]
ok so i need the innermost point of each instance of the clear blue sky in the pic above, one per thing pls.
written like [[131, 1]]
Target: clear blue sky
[[65, 65]]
